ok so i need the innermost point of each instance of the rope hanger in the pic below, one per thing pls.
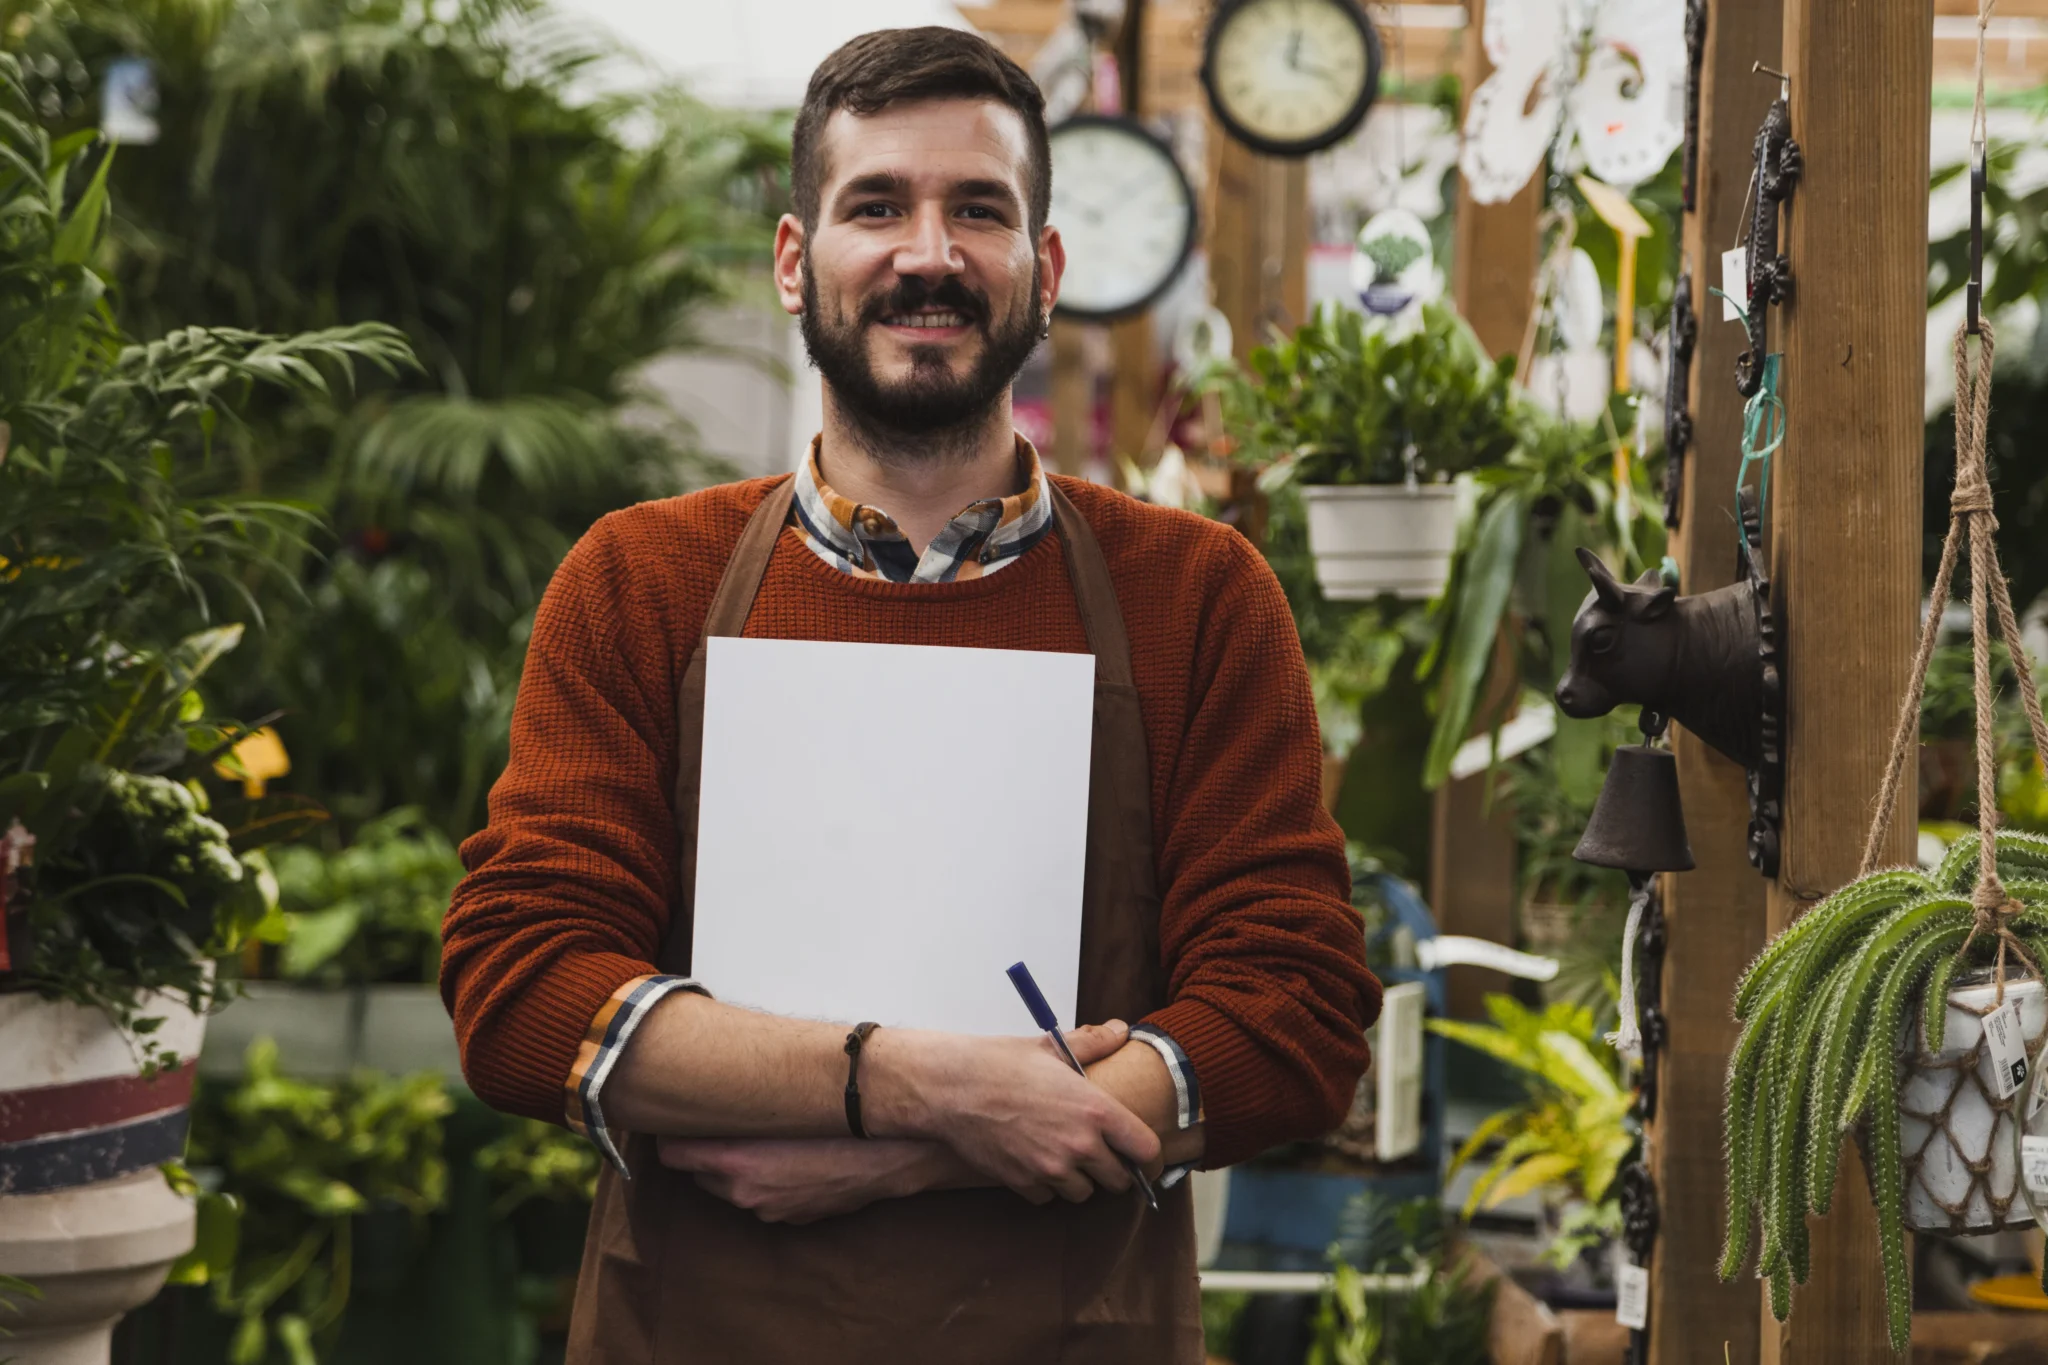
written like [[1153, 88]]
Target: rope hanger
[[1971, 514]]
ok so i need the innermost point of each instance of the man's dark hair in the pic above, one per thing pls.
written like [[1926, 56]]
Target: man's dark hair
[[890, 65]]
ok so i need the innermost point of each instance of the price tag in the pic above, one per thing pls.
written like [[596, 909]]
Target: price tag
[[2008, 1049], [1734, 283], [2034, 1164], [1632, 1291]]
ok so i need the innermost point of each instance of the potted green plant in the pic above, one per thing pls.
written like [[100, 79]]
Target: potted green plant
[[1372, 426], [1865, 1018], [1566, 1140], [122, 887]]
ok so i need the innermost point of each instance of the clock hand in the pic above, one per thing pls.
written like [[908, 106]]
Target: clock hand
[[1294, 51]]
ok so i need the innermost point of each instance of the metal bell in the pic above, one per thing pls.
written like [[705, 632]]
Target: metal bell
[[1638, 824]]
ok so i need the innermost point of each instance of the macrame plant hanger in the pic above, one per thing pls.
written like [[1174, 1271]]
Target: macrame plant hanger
[[1971, 517]]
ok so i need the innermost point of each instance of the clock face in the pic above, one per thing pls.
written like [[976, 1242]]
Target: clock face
[[1290, 76], [1125, 212]]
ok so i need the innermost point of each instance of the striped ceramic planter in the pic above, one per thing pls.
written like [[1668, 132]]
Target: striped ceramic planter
[[73, 1107], [84, 1215]]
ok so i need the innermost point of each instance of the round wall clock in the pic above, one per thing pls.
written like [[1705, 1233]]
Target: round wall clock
[[1290, 77], [1125, 211]]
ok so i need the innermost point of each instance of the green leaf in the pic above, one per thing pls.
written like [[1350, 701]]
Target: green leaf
[[1570, 1066], [1548, 1168], [316, 937], [1482, 598], [81, 230]]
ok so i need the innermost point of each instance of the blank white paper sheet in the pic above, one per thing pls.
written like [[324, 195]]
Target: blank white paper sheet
[[884, 829]]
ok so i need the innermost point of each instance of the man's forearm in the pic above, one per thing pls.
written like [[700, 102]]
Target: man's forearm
[[697, 1067], [1009, 1107]]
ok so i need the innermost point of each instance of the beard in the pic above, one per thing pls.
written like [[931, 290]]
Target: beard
[[932, 413]]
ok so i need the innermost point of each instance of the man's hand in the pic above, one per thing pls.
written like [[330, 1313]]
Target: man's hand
[[800, 1180], [1010, 1107]]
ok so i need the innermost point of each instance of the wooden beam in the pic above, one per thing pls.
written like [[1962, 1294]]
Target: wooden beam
[[1133, 368], [1256, 239], [1493, 246], [1845, 552], [1714, 915], [1472, 851], [1073, 398], [1472, 881]]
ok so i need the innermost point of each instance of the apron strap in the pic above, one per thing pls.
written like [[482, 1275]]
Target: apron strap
[[733, 603], [1101, 617]]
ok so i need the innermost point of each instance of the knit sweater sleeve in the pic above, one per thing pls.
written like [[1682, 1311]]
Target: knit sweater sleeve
[[569, 884], [1269, 994]]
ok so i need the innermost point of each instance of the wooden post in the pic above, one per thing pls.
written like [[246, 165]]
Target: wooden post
[[1845, 553], [1073, 397], [1256, 235], [1134, 368], [1714, 915], [1493, 276], [1493, 246]]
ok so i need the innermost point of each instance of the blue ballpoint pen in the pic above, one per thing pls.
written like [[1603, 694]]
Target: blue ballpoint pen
[[1042, 1015]]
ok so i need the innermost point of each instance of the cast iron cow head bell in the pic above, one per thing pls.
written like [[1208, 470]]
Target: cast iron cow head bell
[[1696, 660]]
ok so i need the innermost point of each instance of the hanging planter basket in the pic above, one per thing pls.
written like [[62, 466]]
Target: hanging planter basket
[[1871, 1014], [1370, 539], [1956, 1141]]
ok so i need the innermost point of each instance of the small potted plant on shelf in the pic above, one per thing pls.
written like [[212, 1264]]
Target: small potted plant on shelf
[[1372, 427], [121, 887]]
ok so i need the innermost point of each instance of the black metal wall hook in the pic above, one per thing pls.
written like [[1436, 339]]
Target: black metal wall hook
[[1777, 169]]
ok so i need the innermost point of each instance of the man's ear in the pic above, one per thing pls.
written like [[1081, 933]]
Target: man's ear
[[1596, 569], [1052, 266], [790, 263]]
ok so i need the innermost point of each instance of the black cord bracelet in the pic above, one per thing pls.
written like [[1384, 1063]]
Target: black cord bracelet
[[853, 1045]]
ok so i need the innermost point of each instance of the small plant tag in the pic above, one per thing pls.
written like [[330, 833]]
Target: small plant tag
[[2008, 1049], [2034, 1164], [1734, 283], [1632, 1294]]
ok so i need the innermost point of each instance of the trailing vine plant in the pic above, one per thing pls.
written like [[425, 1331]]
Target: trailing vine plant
[[1823, 1008]]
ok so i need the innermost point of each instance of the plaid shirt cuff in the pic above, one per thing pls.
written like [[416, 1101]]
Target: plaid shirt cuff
[[603, 1043], [1187, 1091]]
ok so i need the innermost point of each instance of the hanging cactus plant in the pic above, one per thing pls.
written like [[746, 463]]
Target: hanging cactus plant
[[1822, 1012]]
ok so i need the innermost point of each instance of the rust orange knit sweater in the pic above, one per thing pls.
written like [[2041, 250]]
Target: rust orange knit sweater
[[569, 885]]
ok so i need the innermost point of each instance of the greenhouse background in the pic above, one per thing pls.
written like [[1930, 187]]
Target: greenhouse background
[[327, 327]]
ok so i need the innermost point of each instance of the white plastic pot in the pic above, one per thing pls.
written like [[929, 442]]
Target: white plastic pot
[[85, 1216], [1965, 1160], [1370, 539]]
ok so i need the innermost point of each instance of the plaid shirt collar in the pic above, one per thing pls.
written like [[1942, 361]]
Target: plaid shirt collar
[[866, 542]]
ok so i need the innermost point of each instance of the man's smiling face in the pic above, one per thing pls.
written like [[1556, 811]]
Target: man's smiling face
[[924, 284]]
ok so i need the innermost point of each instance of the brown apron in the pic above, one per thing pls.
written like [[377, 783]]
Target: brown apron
[[674, 1276]]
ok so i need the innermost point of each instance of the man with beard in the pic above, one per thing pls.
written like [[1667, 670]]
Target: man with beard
[[796, 1191]]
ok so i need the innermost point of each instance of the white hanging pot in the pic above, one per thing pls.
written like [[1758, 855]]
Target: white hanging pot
[[1370, 539], [85, 1216], [1956, 1142]]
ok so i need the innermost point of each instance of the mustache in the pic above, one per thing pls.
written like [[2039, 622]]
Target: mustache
[[912, 293]]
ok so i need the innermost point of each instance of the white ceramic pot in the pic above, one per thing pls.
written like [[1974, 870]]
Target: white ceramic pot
[[85, 1216], [1955, 1141], [1370, 539]]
